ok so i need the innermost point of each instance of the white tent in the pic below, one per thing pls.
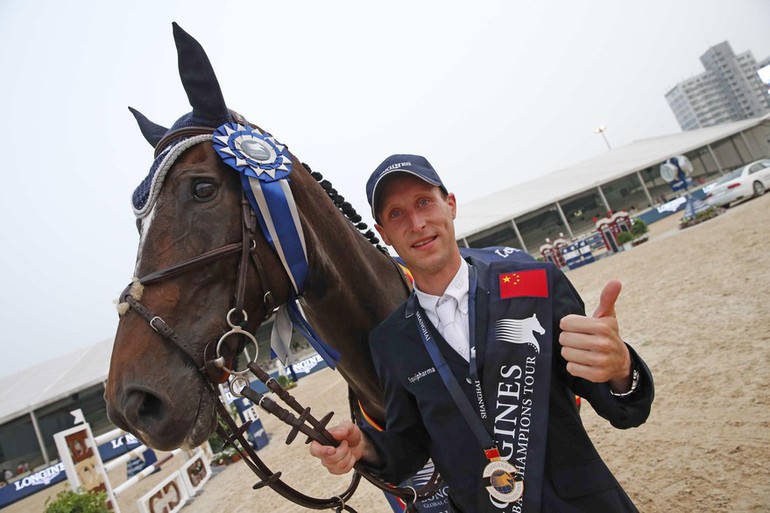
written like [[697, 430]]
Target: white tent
[[508, 203], [51, 380]]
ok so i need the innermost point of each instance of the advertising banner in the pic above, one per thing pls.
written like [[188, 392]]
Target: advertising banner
[[31, 484]]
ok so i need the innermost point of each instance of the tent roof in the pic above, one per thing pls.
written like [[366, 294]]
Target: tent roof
[[52, 380], [489, 211]]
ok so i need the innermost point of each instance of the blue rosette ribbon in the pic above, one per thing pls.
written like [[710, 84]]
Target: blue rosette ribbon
[[264, 165], [252, 153]]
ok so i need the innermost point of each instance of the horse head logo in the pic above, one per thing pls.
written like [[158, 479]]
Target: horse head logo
[[520, 331]]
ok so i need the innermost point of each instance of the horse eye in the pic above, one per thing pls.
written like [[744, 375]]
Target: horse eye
[[204, 191]]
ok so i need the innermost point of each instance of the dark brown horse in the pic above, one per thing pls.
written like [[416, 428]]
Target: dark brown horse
[[195, 263]]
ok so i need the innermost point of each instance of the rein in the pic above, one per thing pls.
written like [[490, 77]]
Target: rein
[[215, 371]]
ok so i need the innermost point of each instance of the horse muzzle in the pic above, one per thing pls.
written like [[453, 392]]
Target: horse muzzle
[[160, 421]]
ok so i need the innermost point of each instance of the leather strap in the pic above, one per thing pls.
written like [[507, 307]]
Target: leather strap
[[186, 265]]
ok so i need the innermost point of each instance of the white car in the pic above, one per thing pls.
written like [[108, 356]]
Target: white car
[[745, 182]]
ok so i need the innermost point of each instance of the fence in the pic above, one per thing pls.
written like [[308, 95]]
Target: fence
[[85, 469]]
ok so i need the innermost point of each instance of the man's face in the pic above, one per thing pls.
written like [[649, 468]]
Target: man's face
[[418, 221]]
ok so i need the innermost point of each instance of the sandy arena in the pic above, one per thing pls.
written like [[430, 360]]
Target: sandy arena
[[695, 306]]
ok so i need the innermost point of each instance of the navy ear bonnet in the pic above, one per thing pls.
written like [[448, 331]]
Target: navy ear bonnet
[[142, 195], [209, 111]]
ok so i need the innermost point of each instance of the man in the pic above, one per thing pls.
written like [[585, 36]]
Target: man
[[481, 364]]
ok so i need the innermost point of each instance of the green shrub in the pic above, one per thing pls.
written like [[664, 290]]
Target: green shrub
[[707, 213], [216, 443], [639, 227], [624, 237], [69, 501], [286, 382], [701, 216]]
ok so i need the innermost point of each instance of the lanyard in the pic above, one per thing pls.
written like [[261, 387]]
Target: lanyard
[[473, 418]]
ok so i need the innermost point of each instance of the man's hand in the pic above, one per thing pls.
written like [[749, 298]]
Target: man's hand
[[353, 447], [592, 345]]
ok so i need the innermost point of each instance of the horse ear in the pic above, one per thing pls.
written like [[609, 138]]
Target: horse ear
[[152, 132], [198, 78]]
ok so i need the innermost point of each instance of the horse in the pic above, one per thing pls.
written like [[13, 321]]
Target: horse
[[205, 270]]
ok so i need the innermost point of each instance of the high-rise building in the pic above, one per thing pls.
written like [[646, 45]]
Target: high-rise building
[[764, 72], [729, 90]]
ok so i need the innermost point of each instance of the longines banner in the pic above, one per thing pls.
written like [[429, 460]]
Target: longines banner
[[301, 369], [33, 483]]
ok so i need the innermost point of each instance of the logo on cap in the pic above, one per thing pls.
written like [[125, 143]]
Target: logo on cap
[[396, 166]]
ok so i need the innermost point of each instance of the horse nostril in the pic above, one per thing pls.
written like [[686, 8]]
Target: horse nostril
[[152, 417], [151, 406], [142, 408]]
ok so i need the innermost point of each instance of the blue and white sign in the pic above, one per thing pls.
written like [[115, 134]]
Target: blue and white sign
[[670, 207], [32, 484], [578, 254], [301, 369]]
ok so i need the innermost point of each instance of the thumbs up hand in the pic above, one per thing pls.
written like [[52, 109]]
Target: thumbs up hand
[[607, 299], [592, 345]]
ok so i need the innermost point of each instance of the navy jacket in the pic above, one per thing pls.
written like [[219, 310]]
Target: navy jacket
[[422, 420]]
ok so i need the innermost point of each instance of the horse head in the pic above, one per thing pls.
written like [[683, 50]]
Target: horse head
[[535, 325], [204, 267]]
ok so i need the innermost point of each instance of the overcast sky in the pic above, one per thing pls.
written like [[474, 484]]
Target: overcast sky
[[493, 93]]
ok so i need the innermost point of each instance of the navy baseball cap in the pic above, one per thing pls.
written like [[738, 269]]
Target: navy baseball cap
[[414, 165]]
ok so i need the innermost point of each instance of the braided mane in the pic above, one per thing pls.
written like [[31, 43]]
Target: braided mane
[[346, 208]]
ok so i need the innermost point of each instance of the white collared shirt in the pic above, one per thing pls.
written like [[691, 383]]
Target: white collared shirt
[[457, 290]]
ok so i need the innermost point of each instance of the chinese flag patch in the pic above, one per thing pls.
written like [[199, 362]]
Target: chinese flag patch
[[532, 283]]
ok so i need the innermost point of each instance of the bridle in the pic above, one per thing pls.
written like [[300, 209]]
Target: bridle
[[247, 248], [214, 369]]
